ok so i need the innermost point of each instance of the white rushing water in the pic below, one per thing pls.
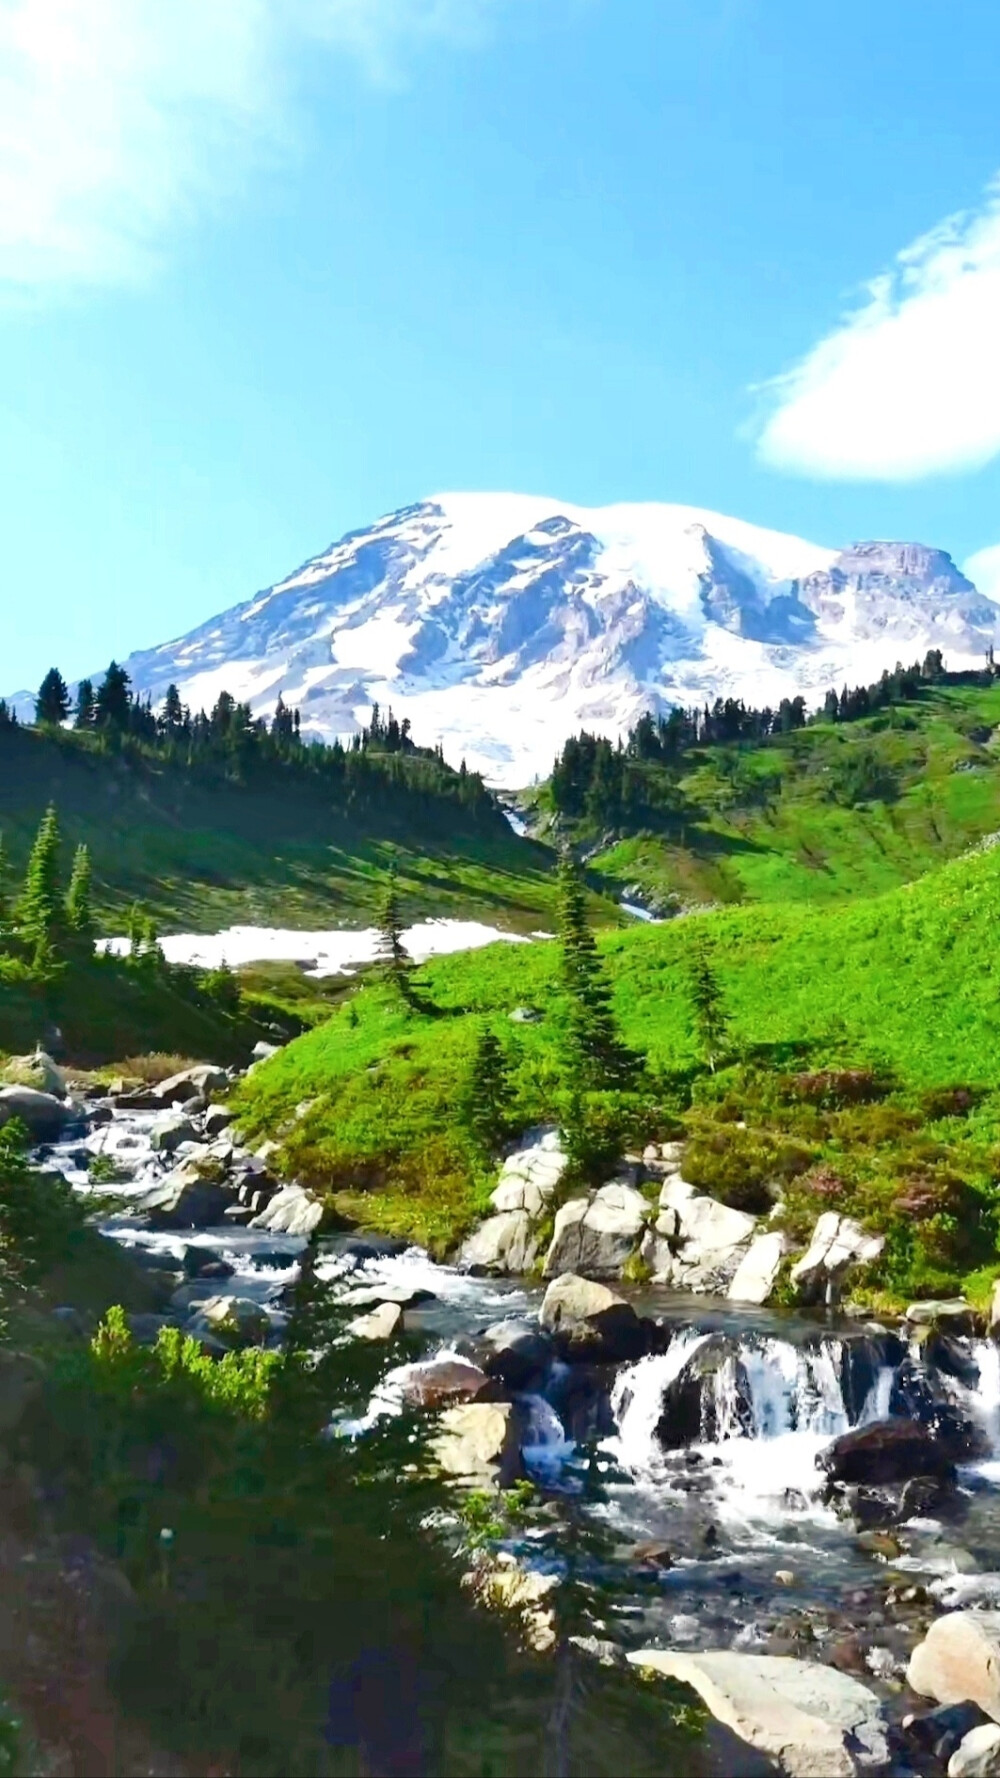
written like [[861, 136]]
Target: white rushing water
[[336, 951]]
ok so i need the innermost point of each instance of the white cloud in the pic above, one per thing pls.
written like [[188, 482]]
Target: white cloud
[[984, 570], [119, 118], [909, 384]]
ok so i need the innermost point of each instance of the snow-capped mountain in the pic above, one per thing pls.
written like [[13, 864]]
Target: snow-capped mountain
[[502, 623]]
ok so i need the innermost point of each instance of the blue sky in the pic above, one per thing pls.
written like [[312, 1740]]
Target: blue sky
[[270, 268]]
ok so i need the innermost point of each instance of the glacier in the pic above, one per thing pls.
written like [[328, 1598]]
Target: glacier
[[501, 623]]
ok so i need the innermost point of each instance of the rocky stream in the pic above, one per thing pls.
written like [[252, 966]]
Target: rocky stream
[[795, 1511]]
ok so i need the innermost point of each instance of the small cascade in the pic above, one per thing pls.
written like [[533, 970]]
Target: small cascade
[[637, 1402], [876, 1402]]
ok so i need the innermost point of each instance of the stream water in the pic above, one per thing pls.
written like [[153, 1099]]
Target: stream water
[[723, 1542]]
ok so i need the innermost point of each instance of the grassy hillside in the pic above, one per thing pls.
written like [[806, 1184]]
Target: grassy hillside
[[203, 852], [904, 985], [825, 812]]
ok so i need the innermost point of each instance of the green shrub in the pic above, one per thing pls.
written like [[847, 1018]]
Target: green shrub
[[745, 1169]]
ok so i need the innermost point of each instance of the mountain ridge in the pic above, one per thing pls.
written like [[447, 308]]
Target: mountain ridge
[[501, 623]]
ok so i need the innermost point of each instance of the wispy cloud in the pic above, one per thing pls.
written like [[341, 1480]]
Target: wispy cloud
[[120, 118], [909, 384], [984, 570]]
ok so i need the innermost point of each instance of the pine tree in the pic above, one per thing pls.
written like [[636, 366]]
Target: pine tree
[[707, 1005], [391, 950], [113, 701], [596, 1055], [488, 1094], [39, 911], [84, 704], [172, 714], [52, 702], [78, 911]]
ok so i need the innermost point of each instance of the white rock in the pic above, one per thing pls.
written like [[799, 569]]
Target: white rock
[[520, 1194], [959, 1658], [838, 1242], [811, 1720], [477, 1442], [381, 1324], [594, 1237], [754, 1277], [978, 1755], [292, 1211], [504, 1243]]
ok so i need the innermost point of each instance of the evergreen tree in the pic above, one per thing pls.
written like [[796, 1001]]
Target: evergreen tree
[[78, 911], [39, 911], [596, 1055], [84, 704], [5, 909], [52, 702], [113, 701], [488, 1095], [391, 949], [707, 1005]]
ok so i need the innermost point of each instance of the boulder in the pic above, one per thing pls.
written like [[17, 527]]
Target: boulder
[[530, 1174], [977, 1754], [38, 1071], [754, 1277], [217, 1118], [500, 1584], [43, 1115], [708, 1240], [381, 1324], [292, 1211], [688, 1409], [517, 1353], [886, 1451], [589, 1321], [959, 1658], [262, 1051], [507, 1242], [236, 1319], [190, 1083], [185, 1199], [812, 1720], [838, 1243], [170, 1130], [953, 1314], [595, 1237], [477, 1442], [442, 1380]]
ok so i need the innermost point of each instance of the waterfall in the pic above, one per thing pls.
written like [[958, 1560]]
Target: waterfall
[[637, 1402], [876, 1403]]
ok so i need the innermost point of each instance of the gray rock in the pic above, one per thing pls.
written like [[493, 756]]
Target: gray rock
[[517, 1353], [381, 1324], [838, 1243], [292, 1211], [477, 1443], [507, 1242], [589, 1321], [442, 1380], [954, 1314], [170, 1131], [959, 1658], [594, 1237], [811, 1720], [530, 1175], [185, 1199], [262, 1052], [37, 1071], [43, 1115], [217, 1119], [237, 1320], [525, 1015], [199, 1081], [755, 1276], [145, 1328]]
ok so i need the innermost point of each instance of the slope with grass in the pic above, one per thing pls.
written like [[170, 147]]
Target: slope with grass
[[904, 986], [202, 852], [824, 812]]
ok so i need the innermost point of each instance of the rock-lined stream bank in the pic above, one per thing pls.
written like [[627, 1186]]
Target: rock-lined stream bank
[[712, 1478]]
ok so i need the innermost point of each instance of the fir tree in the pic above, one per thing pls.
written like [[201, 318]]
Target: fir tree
[[52, 702], [391, 949], [172, 714], [488, 1094], [596, 1055], [113, 702], [84, 717], [78, 911], [707, 1004], [39, 910]]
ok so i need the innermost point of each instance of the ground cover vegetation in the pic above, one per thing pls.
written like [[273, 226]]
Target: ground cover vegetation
[[857, 1042], [730, 804], [214, 819]]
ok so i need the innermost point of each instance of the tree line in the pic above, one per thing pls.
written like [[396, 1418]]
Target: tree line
[[610, 782], [381, 764]]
